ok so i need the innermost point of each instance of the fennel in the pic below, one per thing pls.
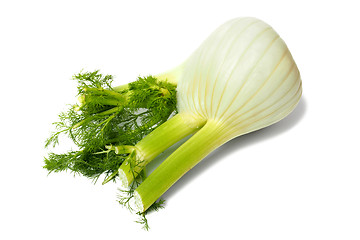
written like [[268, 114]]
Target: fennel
[[241, 79]]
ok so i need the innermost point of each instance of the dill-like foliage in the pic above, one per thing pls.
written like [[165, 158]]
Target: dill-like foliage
[[106, 116]]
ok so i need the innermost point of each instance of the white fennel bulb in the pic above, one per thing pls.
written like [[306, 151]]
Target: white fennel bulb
[[242, 76], [241, 79]]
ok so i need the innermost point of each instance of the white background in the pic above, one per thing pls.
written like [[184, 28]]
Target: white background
[[298, 179]]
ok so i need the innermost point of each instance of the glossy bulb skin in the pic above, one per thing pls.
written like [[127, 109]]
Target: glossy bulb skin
[[243, 76]]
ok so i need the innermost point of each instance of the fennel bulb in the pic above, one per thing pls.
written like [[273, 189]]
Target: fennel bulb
[[241, 79]]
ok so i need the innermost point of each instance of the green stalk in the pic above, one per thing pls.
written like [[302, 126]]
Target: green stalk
[[121, 88], [83, 100], [105, 92], [110, 102], [178, 163], [163, 137]]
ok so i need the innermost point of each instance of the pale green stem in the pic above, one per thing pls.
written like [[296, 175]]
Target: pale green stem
[[126, 149], [83, 99], [121, 88], [163, 137], [178, 163], [103, 97], [173, 75], [106, 92], [123, 149]]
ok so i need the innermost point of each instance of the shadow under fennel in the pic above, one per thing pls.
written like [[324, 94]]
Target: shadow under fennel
[[233, 145]]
